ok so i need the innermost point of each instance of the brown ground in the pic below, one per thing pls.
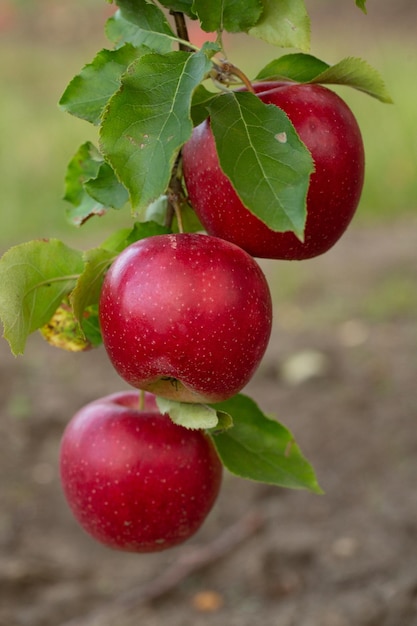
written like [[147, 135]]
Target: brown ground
[[347, 558]]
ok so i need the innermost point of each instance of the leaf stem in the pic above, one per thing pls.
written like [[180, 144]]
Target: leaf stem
[[141, 400], [58, 279], [224, 71]]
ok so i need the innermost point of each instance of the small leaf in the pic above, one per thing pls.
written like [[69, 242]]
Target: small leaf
[[84, 166], [225, 422], [106, 189], [189, 415], [156, 211], [88, 92], [142, 230], [259, 448], [88, 286], [357, 73], [148, 120], [299, 67], [190, 220], [284, 23], [361, 4], [257, 142], [91, 185], [63, 331], [210, 48], [36, 277], [122, 238], [116, 242], [234, 16], [142, 24], [304, 68]]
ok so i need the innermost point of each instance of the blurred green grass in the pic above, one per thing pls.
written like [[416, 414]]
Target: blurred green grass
[[38, 139]]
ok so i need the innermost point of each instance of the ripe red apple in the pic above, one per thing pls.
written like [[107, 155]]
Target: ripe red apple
[[134, 480], [185, 316], [329, 130]]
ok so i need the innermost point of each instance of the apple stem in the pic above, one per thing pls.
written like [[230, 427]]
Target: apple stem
[[224, 72], [141, 400], [175, 202]]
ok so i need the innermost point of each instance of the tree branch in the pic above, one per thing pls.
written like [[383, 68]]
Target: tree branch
[[182, 30]]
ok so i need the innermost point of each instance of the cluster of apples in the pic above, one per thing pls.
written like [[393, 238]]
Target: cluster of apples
[[188, 317]]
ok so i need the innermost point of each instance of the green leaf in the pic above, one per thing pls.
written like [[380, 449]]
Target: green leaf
[[90, 324], [259, 448], [210, 48], [202, 98], [106, 189], [156, 211], [190, 220], [183, 6], [257, 142], [122, 238], [88, 92], [148, 121], [194, 416], [35, 277], [116, 242], [361, 4], [142, 24], [285, 23], [91, 185], [142, 230], [299, 67], [357, 73], [225, 422], [234, 16], [304, 68], [87, 289], [83, 166]]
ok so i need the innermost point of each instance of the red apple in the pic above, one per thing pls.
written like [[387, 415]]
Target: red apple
[[329, 130], [133, 479], [185, 316]]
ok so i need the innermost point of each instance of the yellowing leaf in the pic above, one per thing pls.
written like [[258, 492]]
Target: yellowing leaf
[[63, 331]]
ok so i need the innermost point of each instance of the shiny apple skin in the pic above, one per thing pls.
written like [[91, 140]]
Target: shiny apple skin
[[330, 131], [185, 316], [134, 480]]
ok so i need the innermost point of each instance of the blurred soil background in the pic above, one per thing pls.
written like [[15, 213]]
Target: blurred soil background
[[340, 371]]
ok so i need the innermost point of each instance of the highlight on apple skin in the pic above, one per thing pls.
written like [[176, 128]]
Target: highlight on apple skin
[[185, 316], [134, 480], [330, 131]]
